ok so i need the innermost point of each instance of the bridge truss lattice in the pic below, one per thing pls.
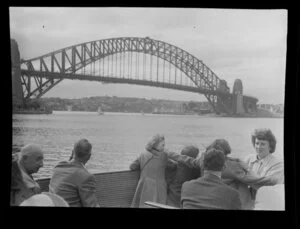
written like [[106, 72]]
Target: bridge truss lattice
[[46, 71]]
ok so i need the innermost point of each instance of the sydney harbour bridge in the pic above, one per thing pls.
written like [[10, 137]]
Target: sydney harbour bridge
[[127, 60]]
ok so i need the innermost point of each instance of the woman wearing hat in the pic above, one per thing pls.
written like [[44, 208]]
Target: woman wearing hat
[[152, 163]]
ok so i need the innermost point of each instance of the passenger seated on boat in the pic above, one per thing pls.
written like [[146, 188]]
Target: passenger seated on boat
[[266, 169], [234, 173], [209, 191], [181, 174], [152, 163], [45, 199], [24, 164], [72, 181]]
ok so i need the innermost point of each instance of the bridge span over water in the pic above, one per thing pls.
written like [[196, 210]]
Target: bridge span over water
[[127, 60]]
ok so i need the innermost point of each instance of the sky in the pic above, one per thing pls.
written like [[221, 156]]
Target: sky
[[236, 44]]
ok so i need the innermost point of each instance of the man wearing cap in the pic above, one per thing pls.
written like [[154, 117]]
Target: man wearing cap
[[24, 164], [209, 191], [72, 181]]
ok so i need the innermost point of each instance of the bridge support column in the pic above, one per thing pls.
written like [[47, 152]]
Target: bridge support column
[[17, 90], [238, 104], [238, 101], [224, 104]]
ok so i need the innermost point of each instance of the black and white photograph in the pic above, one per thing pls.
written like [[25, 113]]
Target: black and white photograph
[[148, 107]]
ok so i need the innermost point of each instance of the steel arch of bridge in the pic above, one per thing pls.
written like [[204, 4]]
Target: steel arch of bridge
[[63, 64]]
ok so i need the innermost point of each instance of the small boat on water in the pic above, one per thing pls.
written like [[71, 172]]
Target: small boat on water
[[99, 111]]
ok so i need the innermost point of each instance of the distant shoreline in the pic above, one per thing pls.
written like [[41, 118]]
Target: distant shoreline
[[31, 111], [258, 115]]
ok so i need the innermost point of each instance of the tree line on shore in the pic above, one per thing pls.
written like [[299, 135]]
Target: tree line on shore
[[119, 104], [125, 104]]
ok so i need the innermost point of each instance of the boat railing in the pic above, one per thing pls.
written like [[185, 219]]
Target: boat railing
[[114, 189]]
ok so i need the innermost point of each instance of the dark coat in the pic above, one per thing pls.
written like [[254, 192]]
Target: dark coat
[[74, 183], [209, 192], [181, 174]]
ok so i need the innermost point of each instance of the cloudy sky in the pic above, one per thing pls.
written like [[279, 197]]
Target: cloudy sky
[[245, 44]]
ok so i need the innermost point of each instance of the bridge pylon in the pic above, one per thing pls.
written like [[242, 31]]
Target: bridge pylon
[[17, 91], [238, 103]]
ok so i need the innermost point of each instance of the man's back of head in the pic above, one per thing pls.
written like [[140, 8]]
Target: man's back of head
[[31, 158], [214, 160], [207, 192], [220, 144], [82, 150], [191, 151], [78, 190]]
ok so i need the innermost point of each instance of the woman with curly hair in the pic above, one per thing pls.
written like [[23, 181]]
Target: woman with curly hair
[[263, 164], [152, 163], [248, 177]]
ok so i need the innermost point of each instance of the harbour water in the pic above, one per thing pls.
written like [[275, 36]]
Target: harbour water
[[118, 138]]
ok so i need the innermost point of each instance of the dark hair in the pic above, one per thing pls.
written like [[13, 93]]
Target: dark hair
[[220, 144], [191, 151], [82, 148], [266, 135], [214, 160]]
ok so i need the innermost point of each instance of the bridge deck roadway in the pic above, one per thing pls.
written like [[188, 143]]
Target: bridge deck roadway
[[110, 79], [72, 76]]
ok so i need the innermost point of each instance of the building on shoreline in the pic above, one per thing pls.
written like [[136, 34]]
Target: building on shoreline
[[273, 108]]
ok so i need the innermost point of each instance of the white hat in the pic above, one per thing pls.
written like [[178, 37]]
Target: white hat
[[38, 200], [45, 199]]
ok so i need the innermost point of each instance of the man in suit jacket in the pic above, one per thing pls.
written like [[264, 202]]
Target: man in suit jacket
[[72, 181], [209, 191]]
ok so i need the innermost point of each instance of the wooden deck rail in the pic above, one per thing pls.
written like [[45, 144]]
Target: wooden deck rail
[[114, 189]]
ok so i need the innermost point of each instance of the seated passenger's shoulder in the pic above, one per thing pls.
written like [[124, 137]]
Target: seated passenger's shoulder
[[231, 189], [189, 183], [83, 174], [277, 159], [87, 180], [62, 164]]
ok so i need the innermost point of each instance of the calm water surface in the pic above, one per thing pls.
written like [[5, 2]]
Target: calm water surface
[[118, 138]]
